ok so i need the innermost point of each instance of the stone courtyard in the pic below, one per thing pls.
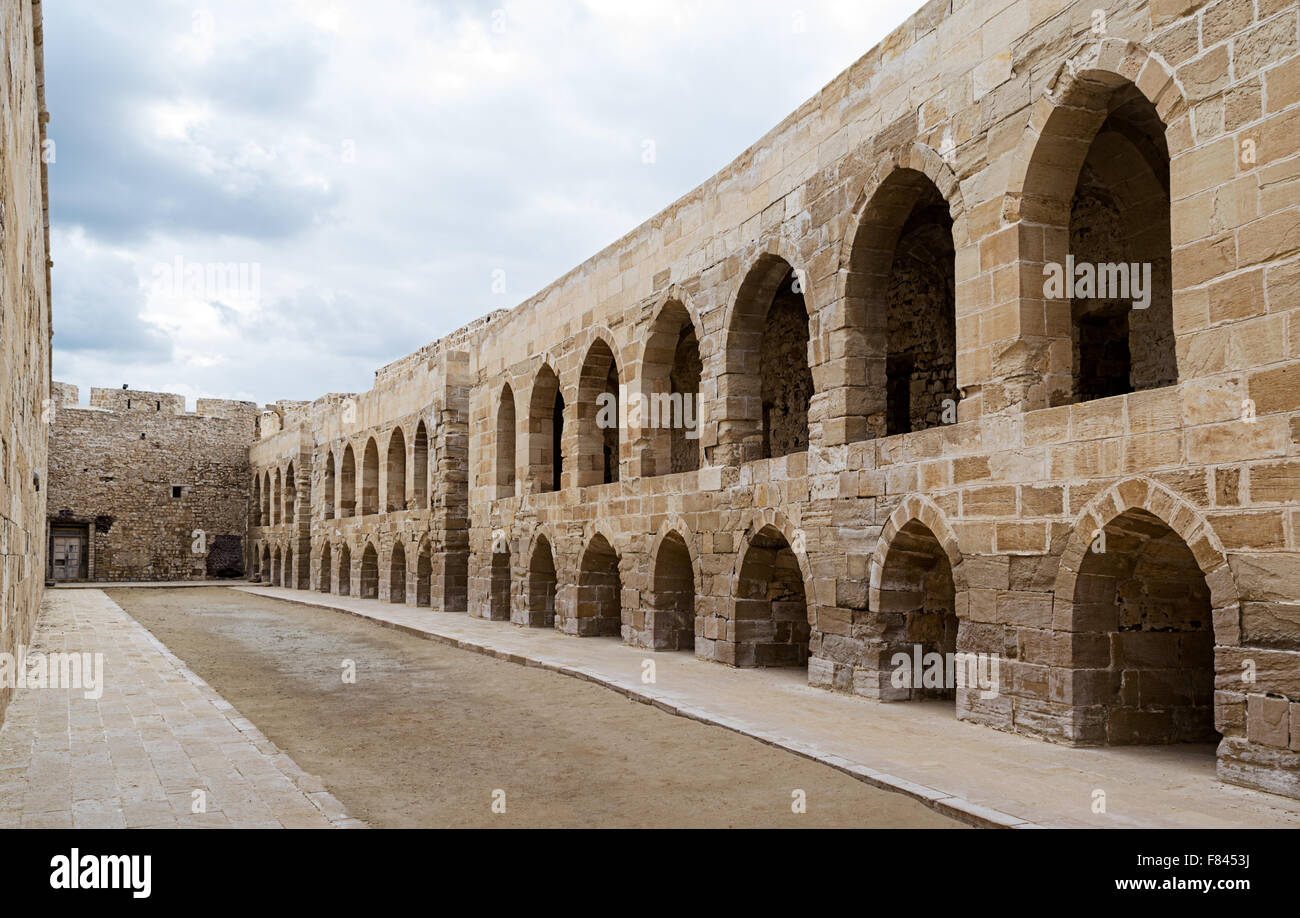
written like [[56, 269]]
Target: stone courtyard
[[906, 438], [987, 354]]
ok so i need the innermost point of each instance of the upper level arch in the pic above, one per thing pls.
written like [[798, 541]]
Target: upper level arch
[[765, 388], [1088, 209], [671, 417]]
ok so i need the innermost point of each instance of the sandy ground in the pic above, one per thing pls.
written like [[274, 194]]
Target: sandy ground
[[428, 733]]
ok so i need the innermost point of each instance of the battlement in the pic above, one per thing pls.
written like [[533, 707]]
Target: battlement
[[143, 401]]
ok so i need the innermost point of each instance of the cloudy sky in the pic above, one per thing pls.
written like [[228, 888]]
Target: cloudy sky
[[380, 171]]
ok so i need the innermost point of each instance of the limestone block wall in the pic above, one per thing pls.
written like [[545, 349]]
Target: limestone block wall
[[142, 476], [1103, 496], [24, 325], [367, 494]]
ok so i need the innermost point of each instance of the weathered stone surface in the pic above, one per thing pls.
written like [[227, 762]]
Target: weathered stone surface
[[151, 487], [907, 439], [24, 327]]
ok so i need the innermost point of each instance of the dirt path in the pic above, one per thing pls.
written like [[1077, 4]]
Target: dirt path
[[427, 732]]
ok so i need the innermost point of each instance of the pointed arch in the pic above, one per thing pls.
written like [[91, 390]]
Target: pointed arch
[[599, 607], [324, 572], [424, 573], [1093, 178], [545, 432], [672, 624], [770, 616], [898, 328], [670, 413], [345, 570], [421, 470], [500, 586], [766, 387], [395, 472], [506, 432], [330, 507], [1145, 588], [370, 478], [542, 584], [290, 495], [348, 484], [599, 421], [397, 574], [369, 572], [914, 602]]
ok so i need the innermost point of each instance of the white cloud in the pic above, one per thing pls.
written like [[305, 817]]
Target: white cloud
[[379, 159]]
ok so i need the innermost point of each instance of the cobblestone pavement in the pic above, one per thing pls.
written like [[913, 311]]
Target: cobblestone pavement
[[968, 771], [135, 756]]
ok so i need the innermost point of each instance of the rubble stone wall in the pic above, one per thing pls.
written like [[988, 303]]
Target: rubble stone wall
[[161, 494]]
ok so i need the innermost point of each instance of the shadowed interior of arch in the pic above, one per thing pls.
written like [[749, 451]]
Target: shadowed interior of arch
[[901, 308], [369, 573], [672, 606], [291, 496], [347, 484], [499, 589], [600, 592], [421, 477], [770, 384], [397, 574], [917, 614], [546, 432], [542, 584], [396, 472], [1142, 614], [455, 578], [330, 510], [599, 422], [424, 575], [1096, 203], [770, 626], [345, 570], [323, 584], [670, 379], [370, 479], [506, 431]]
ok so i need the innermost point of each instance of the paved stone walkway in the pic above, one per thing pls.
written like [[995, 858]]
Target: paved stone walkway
[[134, 757], [971, 772]]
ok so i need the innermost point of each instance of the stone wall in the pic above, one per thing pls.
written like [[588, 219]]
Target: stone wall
[[24, 325], [1047, 526], [160, 494]]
